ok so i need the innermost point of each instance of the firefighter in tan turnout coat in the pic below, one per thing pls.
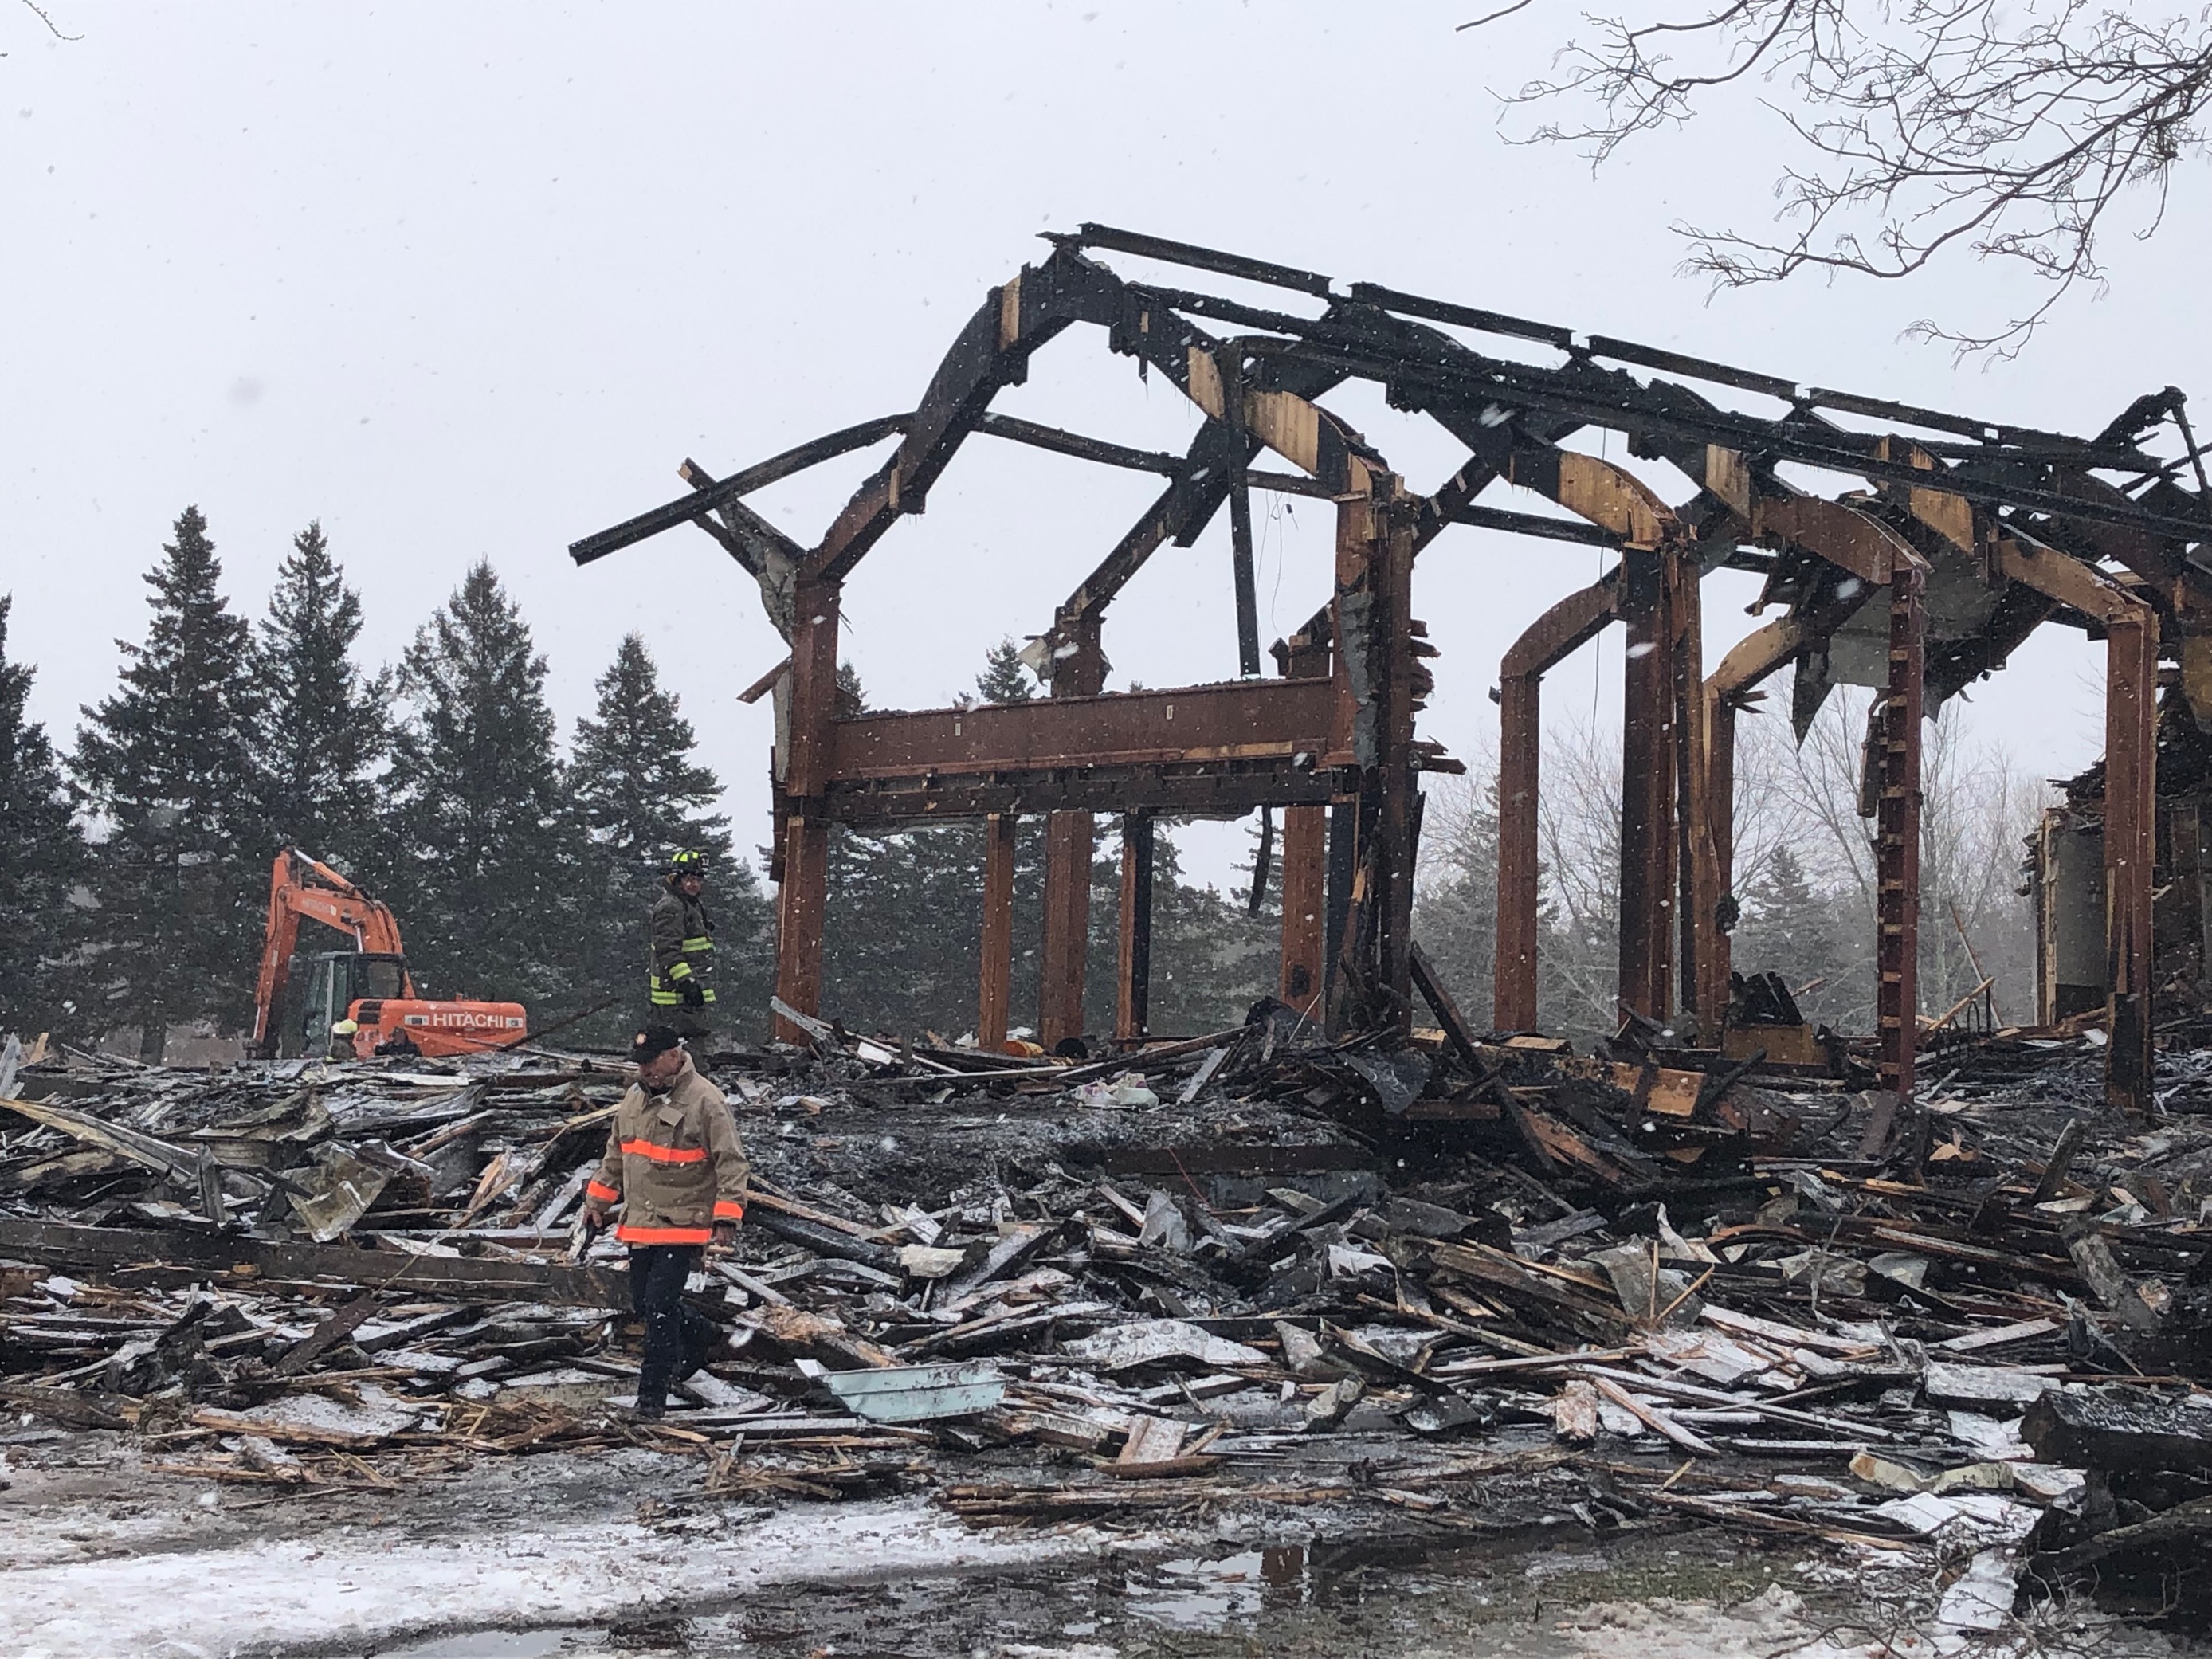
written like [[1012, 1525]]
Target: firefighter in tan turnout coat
[[676, 1166]]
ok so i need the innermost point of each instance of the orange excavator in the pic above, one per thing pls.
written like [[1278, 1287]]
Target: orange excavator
[[368, 984]]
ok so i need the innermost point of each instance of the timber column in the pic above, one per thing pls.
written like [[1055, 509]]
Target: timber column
[[804, 892], [1081, 672], [1302, 980], [995, 986], [1697, 860], [1374, 672], [1133, 989], [1519, 746], [1647, 761], [1897, 832], [2131, 850]]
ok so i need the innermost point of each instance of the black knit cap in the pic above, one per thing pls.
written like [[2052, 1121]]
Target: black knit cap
[[651, 1042]]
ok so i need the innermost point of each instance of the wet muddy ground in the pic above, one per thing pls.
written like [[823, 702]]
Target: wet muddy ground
[[1378, 1599], [564, 1557]]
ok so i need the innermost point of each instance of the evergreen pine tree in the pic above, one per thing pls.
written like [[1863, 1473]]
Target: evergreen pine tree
[[484, 880], [1004, 678], [1791, 928], [166, 764], [642, 798], [1455, 894], [324, 727], [42, 861]]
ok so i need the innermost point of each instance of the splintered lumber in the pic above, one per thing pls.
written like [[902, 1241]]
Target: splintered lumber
[[1574, 1412], [341, 1324], [155, 1153], [815, 1333], [1759, 1520], [1654, 1419], [2061, 1160], [1018, 1243], [1675, 1389], [1495, 1267], [87, 1250], [1999, 1335], [1152, 1440], [2113, 1287]]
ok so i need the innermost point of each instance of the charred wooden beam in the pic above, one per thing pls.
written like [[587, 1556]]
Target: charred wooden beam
[[1133, 950], [995, 989], [1647, 783], [1564, 628], [759, 476], [1897, 833]]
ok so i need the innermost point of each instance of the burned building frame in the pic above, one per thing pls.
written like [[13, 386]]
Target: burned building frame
[[1951, 539]]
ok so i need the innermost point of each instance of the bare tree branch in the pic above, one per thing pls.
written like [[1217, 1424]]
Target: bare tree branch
[[52, 27], [2004, 130]]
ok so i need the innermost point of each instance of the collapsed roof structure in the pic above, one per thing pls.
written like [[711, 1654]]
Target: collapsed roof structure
[[1944, 543]]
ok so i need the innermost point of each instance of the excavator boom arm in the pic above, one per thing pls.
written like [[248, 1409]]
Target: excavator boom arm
[[303, 887]]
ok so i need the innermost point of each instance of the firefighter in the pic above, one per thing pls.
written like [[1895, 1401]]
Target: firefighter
[[683, 977], [342, 1036], [676, 1166]]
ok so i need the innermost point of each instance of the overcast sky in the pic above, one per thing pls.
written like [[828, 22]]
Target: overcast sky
[[468, 281]]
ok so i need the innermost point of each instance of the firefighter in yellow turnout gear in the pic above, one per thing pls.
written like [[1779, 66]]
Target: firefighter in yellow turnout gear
[[675, 1164], [682, 976]]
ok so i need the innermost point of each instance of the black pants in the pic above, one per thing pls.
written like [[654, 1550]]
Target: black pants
[[691, 1024], [677, 1339]]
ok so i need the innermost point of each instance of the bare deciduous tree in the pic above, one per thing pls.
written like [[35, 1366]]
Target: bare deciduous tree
[[2004, 130], [1810, 917]]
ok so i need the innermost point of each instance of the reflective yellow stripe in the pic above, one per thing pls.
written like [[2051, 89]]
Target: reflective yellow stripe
[[664, 999], [680, 971], [696, 945]]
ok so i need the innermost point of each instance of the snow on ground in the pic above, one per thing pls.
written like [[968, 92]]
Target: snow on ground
[[341, 1592]]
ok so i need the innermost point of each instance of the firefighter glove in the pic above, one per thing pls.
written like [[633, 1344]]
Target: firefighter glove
[[693, 996]]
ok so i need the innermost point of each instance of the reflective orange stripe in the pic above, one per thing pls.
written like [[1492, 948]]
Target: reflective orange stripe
[[630, 1235], [604, 1195], [665, 1154], [725, 1210]]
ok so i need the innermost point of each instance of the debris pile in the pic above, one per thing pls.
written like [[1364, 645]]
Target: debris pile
[[1474, 1283]]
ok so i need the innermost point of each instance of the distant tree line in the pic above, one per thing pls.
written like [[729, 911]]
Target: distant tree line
[[134, 870], [1804, 880]]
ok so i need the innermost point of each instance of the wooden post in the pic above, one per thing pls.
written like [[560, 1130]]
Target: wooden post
[[1374, 659], [1513, 996], [1647, 784], [804, 894], [2131, 853], [1717, 871], [1304, 861], [1068, 845], [1697, 886], [995, 980], [1896, 835], [1301, 981], [1133, 957], [1563, 628]]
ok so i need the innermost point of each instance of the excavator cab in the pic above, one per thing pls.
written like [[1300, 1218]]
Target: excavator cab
[[338, 978]]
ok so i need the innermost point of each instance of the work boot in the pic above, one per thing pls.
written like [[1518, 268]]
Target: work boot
[[649, 1408]]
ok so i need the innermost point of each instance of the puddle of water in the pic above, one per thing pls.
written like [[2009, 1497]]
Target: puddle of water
[[548, 1643], [1210, 1595], [1196, 1594]]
